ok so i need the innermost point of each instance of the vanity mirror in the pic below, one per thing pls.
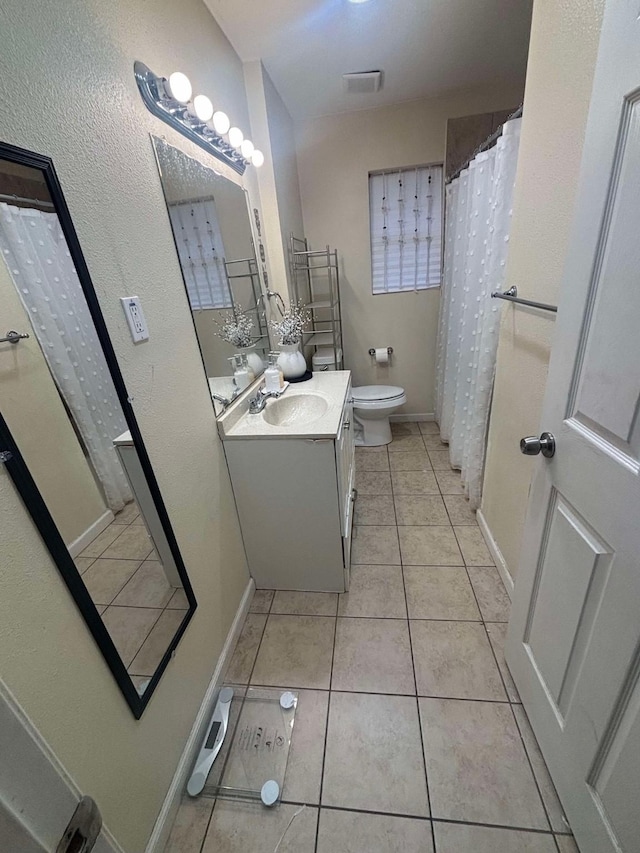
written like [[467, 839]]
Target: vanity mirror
[[70, 441], [211, 225]]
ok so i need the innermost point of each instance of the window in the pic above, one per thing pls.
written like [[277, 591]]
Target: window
[[405, 209], [201, 253]]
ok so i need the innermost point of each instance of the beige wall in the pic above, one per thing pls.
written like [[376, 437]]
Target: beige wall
[[335, 155], [564, 41], [42, 430], [68, 76]]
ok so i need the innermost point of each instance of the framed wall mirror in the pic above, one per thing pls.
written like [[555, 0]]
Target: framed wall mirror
[[70, 441], [211, 223]]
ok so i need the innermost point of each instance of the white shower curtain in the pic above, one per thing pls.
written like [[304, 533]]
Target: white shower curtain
[[478, 219], [36, 254]]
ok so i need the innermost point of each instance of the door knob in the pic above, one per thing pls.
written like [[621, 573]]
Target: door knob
[[532, 446]]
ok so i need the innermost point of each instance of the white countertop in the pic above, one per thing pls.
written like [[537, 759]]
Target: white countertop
[[123, 440], [237, 423]]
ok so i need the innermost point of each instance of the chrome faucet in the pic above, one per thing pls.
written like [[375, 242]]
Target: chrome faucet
[[257, 403], [220, 399]]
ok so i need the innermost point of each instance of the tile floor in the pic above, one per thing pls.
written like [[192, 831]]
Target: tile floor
[[409, 734], [127, 583]]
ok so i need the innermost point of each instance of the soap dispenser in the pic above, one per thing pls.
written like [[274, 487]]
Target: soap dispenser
[[275, 355], [240, 373], [245, 363], [272, 377]]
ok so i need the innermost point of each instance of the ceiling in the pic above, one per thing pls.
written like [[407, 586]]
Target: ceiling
[[424, 47]]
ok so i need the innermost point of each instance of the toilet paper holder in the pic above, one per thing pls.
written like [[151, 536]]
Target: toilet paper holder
[[372, 350]]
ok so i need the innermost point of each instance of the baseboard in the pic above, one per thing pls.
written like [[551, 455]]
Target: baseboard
[[90, 533], [412, 417], [496, 553], [164, 822]]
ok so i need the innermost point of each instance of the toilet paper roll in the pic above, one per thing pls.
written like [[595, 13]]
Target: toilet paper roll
[[382, 355]]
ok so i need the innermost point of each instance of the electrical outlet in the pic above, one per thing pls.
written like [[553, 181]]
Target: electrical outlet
[[135, 318]]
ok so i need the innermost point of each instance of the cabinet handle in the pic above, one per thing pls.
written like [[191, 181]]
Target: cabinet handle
[[347, 424], [354, 495]]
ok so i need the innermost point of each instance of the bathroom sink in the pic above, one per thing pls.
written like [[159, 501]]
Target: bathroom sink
[[294, 409]]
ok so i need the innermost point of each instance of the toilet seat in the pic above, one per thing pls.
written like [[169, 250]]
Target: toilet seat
[[368, 394]]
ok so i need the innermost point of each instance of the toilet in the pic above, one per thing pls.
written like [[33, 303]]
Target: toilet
[[372, 405]]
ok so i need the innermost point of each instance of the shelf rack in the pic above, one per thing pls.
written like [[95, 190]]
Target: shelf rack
[[247, 293], [316, 282]]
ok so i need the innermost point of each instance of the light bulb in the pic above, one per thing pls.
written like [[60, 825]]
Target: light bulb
[[202, 107], [257, 158], [246, 149], [180, 87], [221, 122], [235, 137]]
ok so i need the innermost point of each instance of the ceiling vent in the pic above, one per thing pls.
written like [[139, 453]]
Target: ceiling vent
[[362, 82]]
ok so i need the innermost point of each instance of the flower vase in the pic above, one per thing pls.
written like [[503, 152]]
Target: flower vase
[[291, 361], [256, 364]]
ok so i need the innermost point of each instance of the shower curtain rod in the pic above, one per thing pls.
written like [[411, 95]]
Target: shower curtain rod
[[33, 201], [489, 141]]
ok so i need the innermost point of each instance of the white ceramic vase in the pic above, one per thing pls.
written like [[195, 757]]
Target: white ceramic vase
[[255, 362], [291, 361]]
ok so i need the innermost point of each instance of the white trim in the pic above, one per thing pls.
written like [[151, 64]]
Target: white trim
[[164, 821], [417, 416], [496, 553], [43, 795], [90, 533]]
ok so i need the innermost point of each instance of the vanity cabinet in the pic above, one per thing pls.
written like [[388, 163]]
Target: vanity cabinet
[[295, 499]]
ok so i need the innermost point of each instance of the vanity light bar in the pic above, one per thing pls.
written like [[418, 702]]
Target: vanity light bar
[[170, 100]]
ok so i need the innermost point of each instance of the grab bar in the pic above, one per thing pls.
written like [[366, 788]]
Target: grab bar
[[511, 295]]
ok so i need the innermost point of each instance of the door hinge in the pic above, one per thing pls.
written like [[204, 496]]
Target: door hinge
[[5, 455], [83, 830]]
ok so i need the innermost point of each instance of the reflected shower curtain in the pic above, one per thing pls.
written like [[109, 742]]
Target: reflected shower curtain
[[37, 256], [476, 241]]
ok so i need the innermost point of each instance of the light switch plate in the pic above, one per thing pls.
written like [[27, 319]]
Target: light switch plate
[[135, 318]]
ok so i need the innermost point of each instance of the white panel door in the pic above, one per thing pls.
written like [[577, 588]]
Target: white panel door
[[574, 639]]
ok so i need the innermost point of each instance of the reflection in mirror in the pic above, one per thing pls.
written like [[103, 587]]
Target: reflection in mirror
[[212, 229], [64, 414]]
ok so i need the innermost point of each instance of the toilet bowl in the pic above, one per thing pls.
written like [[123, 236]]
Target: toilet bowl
[[372, 405]]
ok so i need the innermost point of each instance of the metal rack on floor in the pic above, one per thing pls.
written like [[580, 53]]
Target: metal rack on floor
[[316, 282]]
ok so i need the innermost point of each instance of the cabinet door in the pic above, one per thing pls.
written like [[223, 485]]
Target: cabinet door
[[345, 464]]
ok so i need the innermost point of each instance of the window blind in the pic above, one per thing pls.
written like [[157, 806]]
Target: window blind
[[405, 210], [201, 253]]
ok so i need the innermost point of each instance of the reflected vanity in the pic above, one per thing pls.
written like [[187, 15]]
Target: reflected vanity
[[70, 440], [210, 219]]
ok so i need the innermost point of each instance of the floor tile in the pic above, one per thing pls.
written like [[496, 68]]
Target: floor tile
[[375, 546], [449, 482], [261, 601], [420, 509], [102, 541], [458, 838], [373, 758], [374, 509], [559, 822], [134, 543], [128, 627], [246, 649], [474, 548], [375, 591], [372, 656], [83, 563], [304, 765], [459, 510], [295, 651], [128, 514], [439, 592], [155, 646], [305, 603], [411, 460], [405, 442], [372, 459], [178, 600], [105, 578], [405, 428], [478, 770], [429, 428], [414, 483], [497, 632], [354, 832], [251, 828], [493, 599], [434, 442], [433, 545], [373, 482], [567, 844], [190, 825], [454, 660], [101, 608], [148, 587], [440, 460]]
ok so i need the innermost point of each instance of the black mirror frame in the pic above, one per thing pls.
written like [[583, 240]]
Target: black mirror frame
[[28, 490]]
